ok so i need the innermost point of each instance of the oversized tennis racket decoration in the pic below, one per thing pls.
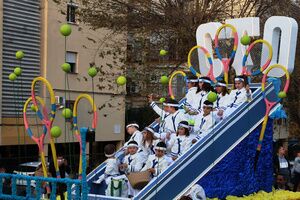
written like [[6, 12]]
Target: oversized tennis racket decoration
[[226, 61], [210, 73], [262, 68], [38, 140], [175, 73], [44, 115], [270, 105], [76, 128]]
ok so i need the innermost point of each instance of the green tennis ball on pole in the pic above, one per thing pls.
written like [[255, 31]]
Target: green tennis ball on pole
[[245, 40], [65, 30], [66, 67], [282, 94], [164, 80], [121, 80], [33, 107], [67, 113], [18, 71], [92, 72], [212, 97], [12, 77], [19, 55], [55, 131], [161, 100], [163, 52]]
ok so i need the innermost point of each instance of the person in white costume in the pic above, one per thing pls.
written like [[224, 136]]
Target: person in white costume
[[116, 183], [162, 113], [136, 135], [239, 95], [133, 162], [149, 142], [182, 142], [198, 98], [194, 193], [222, 99], [205, 123], [192, 88], [157, 163]]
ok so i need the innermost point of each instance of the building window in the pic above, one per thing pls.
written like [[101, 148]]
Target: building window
[[71, 58], [71, 12]]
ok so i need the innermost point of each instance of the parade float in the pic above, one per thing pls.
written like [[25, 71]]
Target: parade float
[[234, 159]]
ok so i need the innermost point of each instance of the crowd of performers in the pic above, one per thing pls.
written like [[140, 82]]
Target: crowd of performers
[[179, 129]]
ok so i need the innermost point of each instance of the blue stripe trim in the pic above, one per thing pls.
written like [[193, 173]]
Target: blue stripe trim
[[39, 114], [74, 120], [29, 132], [193, 70], [244, 60], [218, 53], [210, 61], [53, 107], [232, 54]]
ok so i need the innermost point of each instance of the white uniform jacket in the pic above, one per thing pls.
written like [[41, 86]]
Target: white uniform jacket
[[179, 145], [134, 162], [159, 164]]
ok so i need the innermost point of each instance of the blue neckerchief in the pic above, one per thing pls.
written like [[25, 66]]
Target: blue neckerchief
[[129, 160], [218, 101], [179, 141], [154, 163], [202, 95], [202, 123], [173, 120], [152, 149], [235, 98]]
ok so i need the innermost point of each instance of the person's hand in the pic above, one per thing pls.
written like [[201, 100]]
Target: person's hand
[[151, 170], [168, 136], [247, 88], [220, 113], [174, 158], [157, 120], [150, 98]]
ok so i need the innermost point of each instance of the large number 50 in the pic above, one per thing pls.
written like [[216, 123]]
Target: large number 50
[[280, 32]]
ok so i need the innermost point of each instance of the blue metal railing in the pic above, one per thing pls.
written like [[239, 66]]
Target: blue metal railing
[[76, 189]]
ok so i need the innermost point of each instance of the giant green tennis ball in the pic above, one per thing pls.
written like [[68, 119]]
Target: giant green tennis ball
[[163, 52], [161, 100], [92, 72], [164, 80], [66, 67], [12, 76], [245, 40], [282, 94], [212, 97], [65, 30], [19, 55], [18, 71], [121, 80], [67, 113], [55, 131]]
